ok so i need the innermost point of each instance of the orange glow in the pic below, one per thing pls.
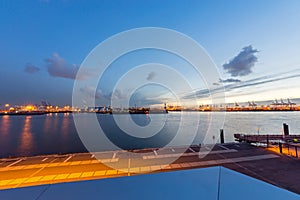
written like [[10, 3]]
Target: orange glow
[[287, 151], [30, 108]]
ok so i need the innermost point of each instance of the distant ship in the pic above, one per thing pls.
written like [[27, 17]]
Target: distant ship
[[135, 110], [23, 113], [139, 110]]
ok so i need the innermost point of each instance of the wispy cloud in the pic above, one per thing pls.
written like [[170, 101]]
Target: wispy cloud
[[260, 81], [58, 67], [242, 64], [31, 69], [229, 80]]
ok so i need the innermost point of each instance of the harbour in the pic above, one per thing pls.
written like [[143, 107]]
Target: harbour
[[251, 106]]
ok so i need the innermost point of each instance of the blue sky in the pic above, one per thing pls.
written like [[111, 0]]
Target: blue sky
[[39, 37]]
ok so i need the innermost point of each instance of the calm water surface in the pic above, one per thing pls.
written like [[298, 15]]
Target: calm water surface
[[56, 133]]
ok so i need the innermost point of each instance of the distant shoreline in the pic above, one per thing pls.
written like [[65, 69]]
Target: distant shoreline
[[156, 113]]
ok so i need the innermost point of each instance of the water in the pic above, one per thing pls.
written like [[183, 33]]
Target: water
[[56, 133]]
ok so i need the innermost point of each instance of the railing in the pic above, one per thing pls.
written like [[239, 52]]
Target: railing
[[285, 144]]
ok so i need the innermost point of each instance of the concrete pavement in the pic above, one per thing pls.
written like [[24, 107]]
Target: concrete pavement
[[49, 169]]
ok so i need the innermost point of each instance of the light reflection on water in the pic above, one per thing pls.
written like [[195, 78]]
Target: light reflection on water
[[5, 125], [26, 138], [56, 133]]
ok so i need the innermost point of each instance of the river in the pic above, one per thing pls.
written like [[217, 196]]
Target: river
[[56, 133]]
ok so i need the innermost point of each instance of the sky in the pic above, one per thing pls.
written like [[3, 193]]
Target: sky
[[254, 45]]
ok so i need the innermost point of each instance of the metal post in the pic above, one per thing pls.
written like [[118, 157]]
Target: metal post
[[286, 129], [267, 141], [296, 151], [222, 136], [280, 147]]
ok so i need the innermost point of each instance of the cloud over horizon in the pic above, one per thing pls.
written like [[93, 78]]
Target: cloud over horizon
[[202, 93], [98, 94], [242, 64], [58, 67], [31, 69]]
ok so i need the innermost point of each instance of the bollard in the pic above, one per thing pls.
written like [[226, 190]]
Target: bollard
[[296, 151], [286, 129], [222, 136], [280, 147]]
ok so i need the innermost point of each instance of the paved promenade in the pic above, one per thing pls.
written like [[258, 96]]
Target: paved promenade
[[253, 161]]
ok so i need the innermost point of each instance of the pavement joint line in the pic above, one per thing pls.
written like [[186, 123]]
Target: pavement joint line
[[145, 169], [54, 164], [85, 162], [155, 152], [15, 162], [64, 164], [111, 172], [172, 150], [19, 167], [189, 154], [5, 182], [90, 162], [207, 148], [95, 162], [33, 179], [99, 173], [75, 162], [61, 176], [68, 159], [123, 171], [129, 167], [223, 147], [35, 173], [44, 159], [120, 172], [114, 156], [74, 175], [167, 167], [244, 159], [135, 170], [87, 174], [155, 167], [48, 177], [107, 160], [17, 181]]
